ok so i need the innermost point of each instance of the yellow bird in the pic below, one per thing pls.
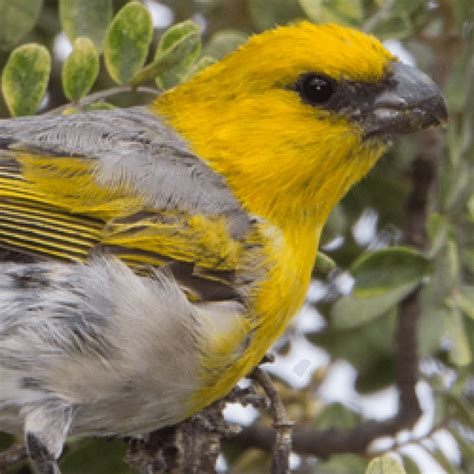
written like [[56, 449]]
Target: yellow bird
[[151, 256]]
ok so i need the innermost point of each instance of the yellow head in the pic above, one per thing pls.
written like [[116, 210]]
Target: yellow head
[[297, 115]]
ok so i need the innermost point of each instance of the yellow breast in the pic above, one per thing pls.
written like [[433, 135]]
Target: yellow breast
[[275, 300]]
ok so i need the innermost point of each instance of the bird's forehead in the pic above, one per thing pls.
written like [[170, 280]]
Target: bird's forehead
[[333, 50]]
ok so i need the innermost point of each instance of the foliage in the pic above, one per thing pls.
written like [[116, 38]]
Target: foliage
[[17, 20], [382, 279], [80, 69], [25, 78], [384, 465], [115, 42], [127, 41], [86, 18]]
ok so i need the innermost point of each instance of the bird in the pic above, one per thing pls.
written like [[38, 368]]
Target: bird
[[150, 256]]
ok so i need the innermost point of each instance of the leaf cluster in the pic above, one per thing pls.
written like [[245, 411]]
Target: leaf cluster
[[123, 41]]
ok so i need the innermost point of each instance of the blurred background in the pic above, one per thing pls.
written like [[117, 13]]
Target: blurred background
[[337, 363]]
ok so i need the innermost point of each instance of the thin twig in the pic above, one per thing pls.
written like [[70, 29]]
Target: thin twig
[[101, 95], [281, 423]]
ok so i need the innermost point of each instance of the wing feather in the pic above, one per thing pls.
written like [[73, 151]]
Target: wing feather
[[56, 203]]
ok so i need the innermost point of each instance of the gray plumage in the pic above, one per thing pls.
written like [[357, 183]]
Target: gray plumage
[[82, 344], [98, 339], [132, 147]]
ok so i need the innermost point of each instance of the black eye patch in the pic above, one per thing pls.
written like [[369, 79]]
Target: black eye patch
[[315, 89], [345, 97]]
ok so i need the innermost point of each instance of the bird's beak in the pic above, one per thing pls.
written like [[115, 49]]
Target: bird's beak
[[409, 101]]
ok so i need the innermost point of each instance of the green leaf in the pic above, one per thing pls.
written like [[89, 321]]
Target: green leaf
[[99, 106], [464, 298], [410, 466], [444, 462], [175, 34], [431, 325], [173, 75], [407, 6], [384, 465], [340, 11], [324, 264], [179, 66], [80, 69], [460, 185], [460, 409], [342, 464], [399, 22], [88, 18], [395, 27], [17, 19], [466, 446], [71, 111], [455, 91], [460, 353], [127, 42], [355, 310], [336, 415], [224, 42], [443, 282], [200, 65], [177, 50], [267, 14], [379, 373], [448, 269], [382, 279], [387, 268], [470, 207], [336, 225], [25, 78], [438, 230], [358, 344]]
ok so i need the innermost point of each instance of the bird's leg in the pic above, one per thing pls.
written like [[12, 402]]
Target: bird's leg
[[44, 461], [248, 395], [268, 358], [46, 430]]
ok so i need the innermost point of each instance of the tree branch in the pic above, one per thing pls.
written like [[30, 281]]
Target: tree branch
[[281, 423], [102, 95], [11, 456], [189, 447]]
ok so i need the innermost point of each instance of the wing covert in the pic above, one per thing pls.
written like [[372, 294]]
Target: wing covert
[[119, 183]]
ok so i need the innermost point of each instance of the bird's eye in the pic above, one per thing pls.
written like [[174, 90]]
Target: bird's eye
[[315, 89]]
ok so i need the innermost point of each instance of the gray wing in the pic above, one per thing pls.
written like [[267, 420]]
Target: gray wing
[[132, 147]]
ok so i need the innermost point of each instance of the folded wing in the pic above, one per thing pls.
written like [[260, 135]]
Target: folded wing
[[119, 183]]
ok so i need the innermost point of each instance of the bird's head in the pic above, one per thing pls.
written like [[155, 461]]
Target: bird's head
[[298, 114]]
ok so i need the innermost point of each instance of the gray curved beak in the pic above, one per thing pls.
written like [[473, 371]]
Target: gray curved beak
[[409, 102]]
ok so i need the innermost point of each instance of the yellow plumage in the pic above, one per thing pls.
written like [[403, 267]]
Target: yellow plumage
[[262, 137], [280, 162]]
